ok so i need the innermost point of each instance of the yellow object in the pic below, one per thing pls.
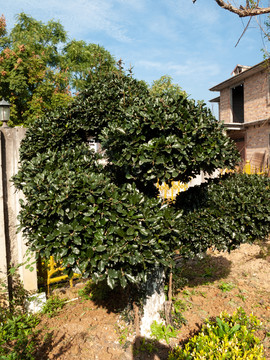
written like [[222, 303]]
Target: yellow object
[[247, 168], [52, 269], [169, 193]]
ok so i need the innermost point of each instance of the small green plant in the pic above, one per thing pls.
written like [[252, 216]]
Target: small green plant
[[223, 329], [180, 305], [203, 294], [242, 297], [178, 318], [147, 346], [17, 337], [159, 331], [186, 292], [123, 333], [223, 338], [208, 272], [17, 329], [224, 287], [179, 281], [85, 292], [53, 305]]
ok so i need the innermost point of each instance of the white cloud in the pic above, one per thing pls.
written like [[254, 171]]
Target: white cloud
[[78, 17], [189, 68]]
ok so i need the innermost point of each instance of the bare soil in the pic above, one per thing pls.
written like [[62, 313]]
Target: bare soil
[[89, 330]]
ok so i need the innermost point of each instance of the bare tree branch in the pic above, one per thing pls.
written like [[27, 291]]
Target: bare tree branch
[[251, 9], [243, 11], [243, 31]]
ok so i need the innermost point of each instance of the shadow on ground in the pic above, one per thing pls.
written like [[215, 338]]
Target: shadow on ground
[[144, 348], [201, 271]]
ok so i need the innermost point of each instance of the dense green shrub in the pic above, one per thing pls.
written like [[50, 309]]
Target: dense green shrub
[[224, 213], [226, 337], [106, 220]]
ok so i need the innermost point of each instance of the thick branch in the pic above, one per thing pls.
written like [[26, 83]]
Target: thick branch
[[243, 11]]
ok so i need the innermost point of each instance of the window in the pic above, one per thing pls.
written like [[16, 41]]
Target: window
[[237, 98]]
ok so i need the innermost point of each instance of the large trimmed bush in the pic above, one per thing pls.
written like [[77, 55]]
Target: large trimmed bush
[[106, 220]]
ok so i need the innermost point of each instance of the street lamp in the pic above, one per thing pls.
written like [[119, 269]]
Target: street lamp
[[4, 112]]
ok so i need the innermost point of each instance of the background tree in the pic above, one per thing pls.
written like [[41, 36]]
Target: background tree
[[40, 70], [164, 86], [83, 61], [247, 8]]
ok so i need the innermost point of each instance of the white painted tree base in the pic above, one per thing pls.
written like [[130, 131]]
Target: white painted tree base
[[154, 302]]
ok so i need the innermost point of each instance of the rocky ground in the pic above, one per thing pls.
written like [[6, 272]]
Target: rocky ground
[[89, 330]]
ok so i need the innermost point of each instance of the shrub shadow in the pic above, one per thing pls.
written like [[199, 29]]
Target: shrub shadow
[[144, 348], [117, 300], [197, 271]]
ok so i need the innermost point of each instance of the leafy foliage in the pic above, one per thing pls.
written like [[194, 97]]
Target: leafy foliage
[[160, 331], [164, 86], [84, 61], [100, 214], [53, 305], [17, 329], [224, 213], [17, 337], [36, 76], [226, 337]]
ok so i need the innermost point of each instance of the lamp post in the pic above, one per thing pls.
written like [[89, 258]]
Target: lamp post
[[4, 112]]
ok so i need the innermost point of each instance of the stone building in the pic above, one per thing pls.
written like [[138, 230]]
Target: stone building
[[244, 108]]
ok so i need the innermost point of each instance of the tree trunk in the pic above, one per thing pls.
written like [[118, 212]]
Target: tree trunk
[[154, 301]]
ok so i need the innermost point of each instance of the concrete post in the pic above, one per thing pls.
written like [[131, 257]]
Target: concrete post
[[3, 244], [15, 244]]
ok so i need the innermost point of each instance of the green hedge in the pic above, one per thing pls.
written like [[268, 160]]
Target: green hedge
[[225, 338], [223, 214]]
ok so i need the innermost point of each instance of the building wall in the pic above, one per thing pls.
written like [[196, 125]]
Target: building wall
[[225, 114], [256, 99], [257, 144], [256, 107]]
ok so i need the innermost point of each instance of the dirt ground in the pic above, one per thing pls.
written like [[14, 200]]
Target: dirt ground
[[88, 330]]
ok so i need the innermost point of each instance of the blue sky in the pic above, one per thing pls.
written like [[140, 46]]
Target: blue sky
[[193, 43]]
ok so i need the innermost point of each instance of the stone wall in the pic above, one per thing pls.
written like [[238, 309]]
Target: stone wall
[[12, 244]]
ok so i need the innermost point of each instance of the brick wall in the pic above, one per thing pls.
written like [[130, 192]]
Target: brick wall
[[256, 99], [257, 142], [225, 106]]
